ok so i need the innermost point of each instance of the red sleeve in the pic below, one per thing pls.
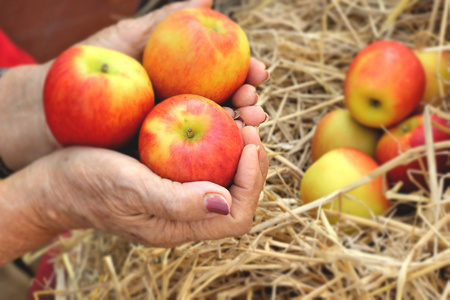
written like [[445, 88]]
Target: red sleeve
[[12, 55]]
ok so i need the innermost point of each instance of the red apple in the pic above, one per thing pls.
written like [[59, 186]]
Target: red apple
[[338, 129], [337, 169], [197, 51], [190, 138], [96, 97], [406, 135], [435, 70], [384, 84]]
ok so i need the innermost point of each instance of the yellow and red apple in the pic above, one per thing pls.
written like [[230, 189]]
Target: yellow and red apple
[[191, 138], [197, 51], [96, 97], [337, 169], [384, 84], [406, 135], [338, 129], [436, 70]]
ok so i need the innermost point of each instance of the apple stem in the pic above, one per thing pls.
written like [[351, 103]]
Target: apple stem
[[104, 68], [190, 134]]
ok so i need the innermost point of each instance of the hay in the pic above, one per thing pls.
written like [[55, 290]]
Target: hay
[[292, 250]]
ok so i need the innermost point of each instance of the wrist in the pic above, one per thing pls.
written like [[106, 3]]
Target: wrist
[[36, 206], [24, 133], [22, 229]]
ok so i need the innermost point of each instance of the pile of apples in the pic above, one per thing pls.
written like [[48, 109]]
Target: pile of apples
[[386, 87], [194, 60]]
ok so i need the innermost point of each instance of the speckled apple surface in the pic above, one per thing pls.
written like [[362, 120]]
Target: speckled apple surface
[[190, 138], [384, 84], [96, 97], [197, 51], [339, 168]]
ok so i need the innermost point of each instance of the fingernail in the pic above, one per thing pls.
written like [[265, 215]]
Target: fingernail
[[257, 97], [266, 119], [267, 76], [237, 114], [258, 149], [216, 203]]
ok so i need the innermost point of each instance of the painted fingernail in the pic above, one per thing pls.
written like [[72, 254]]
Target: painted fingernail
[[216, 203]]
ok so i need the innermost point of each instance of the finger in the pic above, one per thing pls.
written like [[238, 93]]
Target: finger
[[236, 115], [257, 73], [245, 191], [245, 96], [252, 115], [190, 201], [130, 35], [251, 136]]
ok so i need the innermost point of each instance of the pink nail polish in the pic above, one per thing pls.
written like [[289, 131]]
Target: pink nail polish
[[216, 203]]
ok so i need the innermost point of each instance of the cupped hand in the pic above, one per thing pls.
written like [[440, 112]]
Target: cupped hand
[[100, 188]]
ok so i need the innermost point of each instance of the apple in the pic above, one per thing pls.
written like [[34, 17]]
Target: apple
[[336, 169], [384, 84], [96, 97], [191, 138], [197, 51], [338, 129], [434, 73], [406, 135]]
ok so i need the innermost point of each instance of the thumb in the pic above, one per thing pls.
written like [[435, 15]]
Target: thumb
[[190, 201]]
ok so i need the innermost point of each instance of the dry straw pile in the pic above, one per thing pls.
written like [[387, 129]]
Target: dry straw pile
[[292, 250]]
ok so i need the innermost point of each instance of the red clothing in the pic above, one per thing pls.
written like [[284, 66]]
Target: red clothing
[[12, 55]]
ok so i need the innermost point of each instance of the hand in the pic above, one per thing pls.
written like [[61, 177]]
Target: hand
[[21, 109], [117, 194], [81, 187]]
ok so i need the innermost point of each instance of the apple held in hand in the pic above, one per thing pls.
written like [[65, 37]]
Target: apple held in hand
[[197, 51], [435, 70], [338, 129], [335, 170], [406, 135], [96, 97], [384, 84], [190, 138]]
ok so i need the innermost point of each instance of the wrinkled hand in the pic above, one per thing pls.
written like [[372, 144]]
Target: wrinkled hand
[[82, 187], [89, 187]]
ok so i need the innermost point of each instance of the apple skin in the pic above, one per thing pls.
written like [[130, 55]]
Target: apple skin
[[338, 129], [213, 151], [338, 168], [197, 51], [406, 135], [384, 84], [96, 97], [433, 72]]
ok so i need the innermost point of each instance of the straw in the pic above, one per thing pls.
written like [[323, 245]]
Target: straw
[[293, 251]]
